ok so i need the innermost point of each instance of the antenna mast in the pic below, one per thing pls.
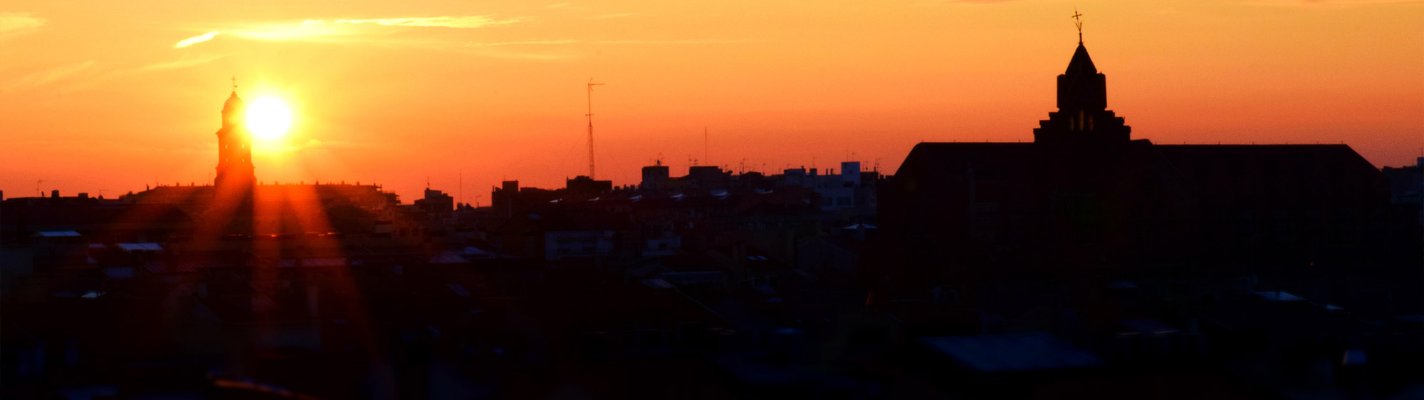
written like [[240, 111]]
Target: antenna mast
[[591, 84]]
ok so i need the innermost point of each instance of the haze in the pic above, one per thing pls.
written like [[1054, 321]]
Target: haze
[[107, 97]]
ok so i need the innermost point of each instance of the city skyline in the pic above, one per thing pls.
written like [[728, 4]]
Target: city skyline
[[1196, 201], [822, 85]]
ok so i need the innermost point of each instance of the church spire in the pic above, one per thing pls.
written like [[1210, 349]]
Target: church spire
[[1081, 64], [1082, 114], [1081, 86]]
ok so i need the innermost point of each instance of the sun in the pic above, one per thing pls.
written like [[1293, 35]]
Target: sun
[[269, 118]]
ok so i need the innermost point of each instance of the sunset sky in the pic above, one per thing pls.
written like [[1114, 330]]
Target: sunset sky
[[106, 97]]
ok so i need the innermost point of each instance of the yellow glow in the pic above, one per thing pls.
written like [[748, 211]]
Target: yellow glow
[[833, 80], [269, 118]]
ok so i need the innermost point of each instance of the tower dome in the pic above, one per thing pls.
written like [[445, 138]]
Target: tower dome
[[234, 145], [232, 109]]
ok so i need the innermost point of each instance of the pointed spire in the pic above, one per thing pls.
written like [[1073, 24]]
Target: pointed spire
[[1082, 63]]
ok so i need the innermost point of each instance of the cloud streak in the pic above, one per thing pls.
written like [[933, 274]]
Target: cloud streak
[[630, 42], [429, 33], [460, 22], [195, 40], [181, 63], [51, 75], [328, 30], [16, 23]]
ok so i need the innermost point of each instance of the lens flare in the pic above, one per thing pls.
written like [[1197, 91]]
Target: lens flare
[[269, 118]]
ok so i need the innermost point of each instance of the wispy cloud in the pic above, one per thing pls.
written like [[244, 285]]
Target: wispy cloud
[[564, 49], [195, 40], [631, 42], [312, 30], [185, 62], [669, 41], [329, 30], [17, 23], [50, 75], [612, 15], [461, 22], [406, 32], [552, 42], [931, 3]]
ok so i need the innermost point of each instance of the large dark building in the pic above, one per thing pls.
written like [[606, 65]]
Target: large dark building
[[1085, 198]]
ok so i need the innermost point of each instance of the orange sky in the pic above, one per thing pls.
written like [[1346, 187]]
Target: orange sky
[[102, 96]]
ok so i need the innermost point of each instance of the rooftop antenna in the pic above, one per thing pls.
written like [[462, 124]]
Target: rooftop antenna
[[1078, 22], [591, 84], [704, 145]]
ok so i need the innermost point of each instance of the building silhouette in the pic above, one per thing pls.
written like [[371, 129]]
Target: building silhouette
[[1084, 262], [1151, 256], [1087, 203], [1085, 196], [234, 146], [1082, 116]]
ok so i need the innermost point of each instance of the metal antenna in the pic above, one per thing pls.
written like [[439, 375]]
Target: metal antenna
[[591, 84]]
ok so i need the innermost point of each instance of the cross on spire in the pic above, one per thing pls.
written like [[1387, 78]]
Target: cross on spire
[[234, 83], [1078, 21]]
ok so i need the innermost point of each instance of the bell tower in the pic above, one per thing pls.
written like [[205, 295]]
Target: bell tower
[[234, 145], [1082, 115]]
